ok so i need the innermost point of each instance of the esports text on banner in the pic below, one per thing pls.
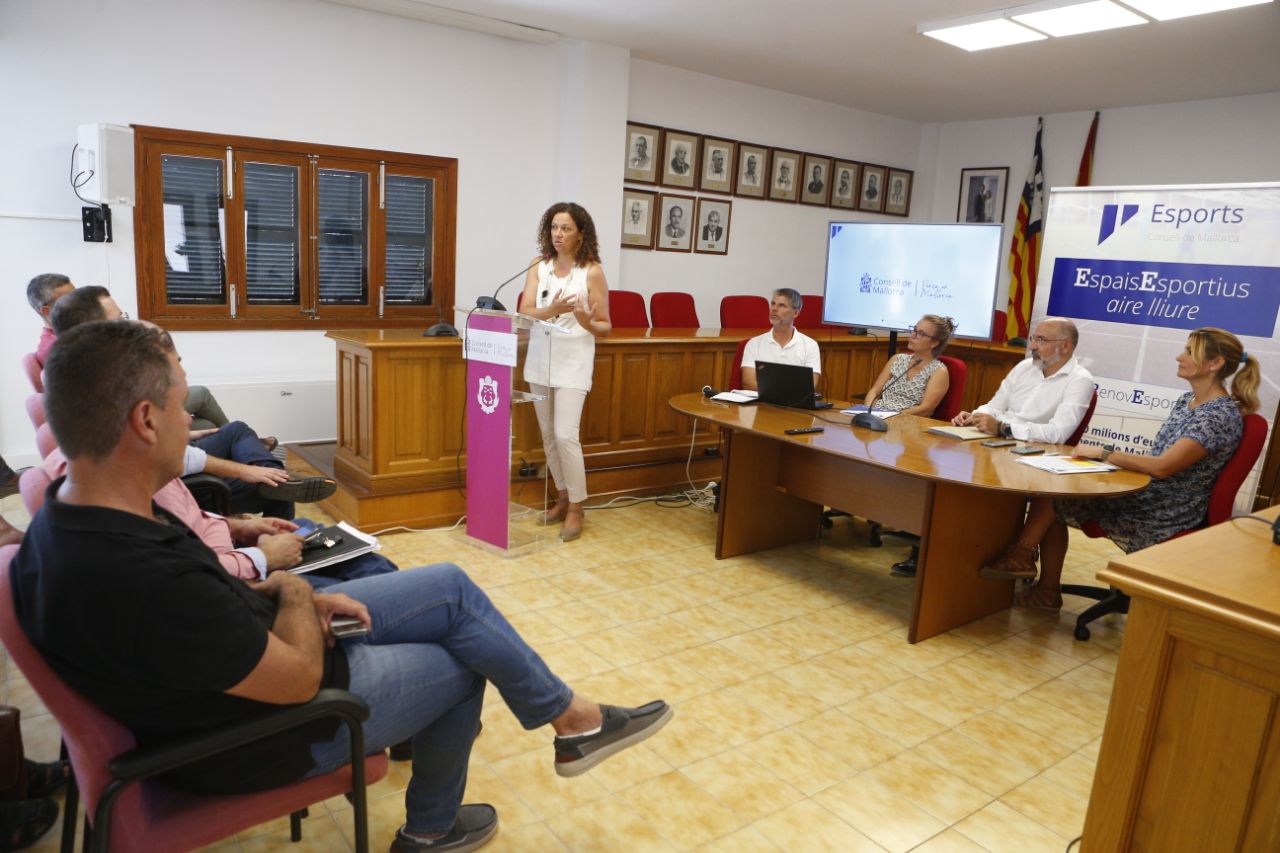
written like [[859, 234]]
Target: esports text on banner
[[1242, 299]]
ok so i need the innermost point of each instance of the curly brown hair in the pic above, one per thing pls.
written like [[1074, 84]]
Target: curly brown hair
[[588, 246]]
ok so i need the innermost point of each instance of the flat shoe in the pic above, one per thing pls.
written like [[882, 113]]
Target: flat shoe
[[299, 490], [1018, 561], [43, 778], [473, 828], [619, 729], [270, 443]]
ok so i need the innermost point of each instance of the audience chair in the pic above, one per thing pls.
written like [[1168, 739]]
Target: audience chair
[[211, 493], [626, 310], [811, 315], [45, 440], [35, 410], [673, 310], [31, 367], [735, 369], [998, 327], [1221, 501], [128, 809], [1074, 438], [745, 312]]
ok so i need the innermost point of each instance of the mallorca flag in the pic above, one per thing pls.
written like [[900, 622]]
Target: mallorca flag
[[1024, 253], [1085, 173]]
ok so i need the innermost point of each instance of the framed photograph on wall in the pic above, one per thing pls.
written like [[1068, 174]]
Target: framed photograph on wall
[[982, 192], [639, 208], [713, 226], [871, 190], [753, 170], [844, 184], [676, 222], [680, 159], [784, 171], [641, 164], [897, 199], [815, 180], [717, 165]]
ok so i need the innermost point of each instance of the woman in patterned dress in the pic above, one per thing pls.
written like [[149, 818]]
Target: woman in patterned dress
[[926, 381], [1189, 451]]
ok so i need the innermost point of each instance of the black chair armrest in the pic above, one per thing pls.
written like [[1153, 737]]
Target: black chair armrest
[[210, 492], [329, 702]]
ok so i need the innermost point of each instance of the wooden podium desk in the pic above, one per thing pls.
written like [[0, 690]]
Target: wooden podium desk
[[1190, 755], [965, 500]]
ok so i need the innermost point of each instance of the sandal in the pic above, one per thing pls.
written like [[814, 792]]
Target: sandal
[[1034, 597], [43, 778], [24, 823], [1017, 562]]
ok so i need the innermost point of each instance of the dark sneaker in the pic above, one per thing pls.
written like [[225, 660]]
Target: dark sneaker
[[905, 569], [473, 828], [621, 728], [300, 490]]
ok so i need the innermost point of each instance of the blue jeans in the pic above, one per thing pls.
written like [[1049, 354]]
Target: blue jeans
[[422, 669], [238, 442]]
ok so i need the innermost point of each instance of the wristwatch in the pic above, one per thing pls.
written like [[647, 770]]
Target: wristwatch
[[1006, 430], [1107, 450]]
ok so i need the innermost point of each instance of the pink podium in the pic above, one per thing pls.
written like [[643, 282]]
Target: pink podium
[[493, 345]]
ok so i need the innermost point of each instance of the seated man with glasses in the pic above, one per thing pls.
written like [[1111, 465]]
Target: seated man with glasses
[[1044, 397]]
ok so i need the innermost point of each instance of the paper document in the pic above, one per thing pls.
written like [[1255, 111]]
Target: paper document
[[353, 544], [879, 413], [964, 433], [738, 396], [1067, 464]]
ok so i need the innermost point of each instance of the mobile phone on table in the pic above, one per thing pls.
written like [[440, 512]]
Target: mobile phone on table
[[347, 626], [306, 528], [999, 442], [1027, 451]]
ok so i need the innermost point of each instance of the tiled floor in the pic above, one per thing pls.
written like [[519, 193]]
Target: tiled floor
[[804, 721]]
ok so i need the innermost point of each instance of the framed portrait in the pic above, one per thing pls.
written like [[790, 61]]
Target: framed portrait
[[752, 178], [784, 169], [718, 163], [871, 190], [641, 164], [638, 210], [845, 184], [982, 192], [897, 194], [676, 222], [680, 159], [815, 180], [713, 226]]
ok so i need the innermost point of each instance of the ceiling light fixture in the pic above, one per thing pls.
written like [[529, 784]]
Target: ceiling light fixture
[[979, 33], [1069, 19], [1168, 10]]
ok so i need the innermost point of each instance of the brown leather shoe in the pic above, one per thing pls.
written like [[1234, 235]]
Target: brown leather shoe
[[1017, 562]]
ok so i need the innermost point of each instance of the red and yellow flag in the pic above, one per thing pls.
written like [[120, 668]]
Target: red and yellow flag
[[1085, 173], [1024, 253]]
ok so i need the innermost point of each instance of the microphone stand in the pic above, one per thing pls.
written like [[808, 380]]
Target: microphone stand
[[488, 303], [875, 422]]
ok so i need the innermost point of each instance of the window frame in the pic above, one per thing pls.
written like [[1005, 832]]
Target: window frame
[[150, 143]]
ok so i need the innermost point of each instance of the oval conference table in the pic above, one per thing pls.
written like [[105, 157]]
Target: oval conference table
[[966, 501]]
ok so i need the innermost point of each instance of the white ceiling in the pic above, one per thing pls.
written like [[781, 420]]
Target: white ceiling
[[866, 53]]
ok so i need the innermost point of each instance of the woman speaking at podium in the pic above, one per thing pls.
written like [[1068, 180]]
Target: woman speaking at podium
[[565, 286]]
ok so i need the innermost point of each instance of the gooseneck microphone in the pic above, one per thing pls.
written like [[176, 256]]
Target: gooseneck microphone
[[875, 422], [708, 391], [491, 303]]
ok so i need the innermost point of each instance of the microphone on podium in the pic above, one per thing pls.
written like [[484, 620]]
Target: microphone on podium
[[875, 422]]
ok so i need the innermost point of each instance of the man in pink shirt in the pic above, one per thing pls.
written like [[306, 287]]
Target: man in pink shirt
[[42, 291]]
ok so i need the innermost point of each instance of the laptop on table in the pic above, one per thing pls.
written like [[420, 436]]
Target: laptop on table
[[788, 385]]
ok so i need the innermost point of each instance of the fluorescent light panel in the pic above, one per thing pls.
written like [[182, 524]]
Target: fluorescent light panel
[[1168, 10], [980, 35], [1068, 20]]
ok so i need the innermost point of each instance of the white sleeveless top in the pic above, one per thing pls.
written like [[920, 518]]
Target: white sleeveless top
[[571, 357]]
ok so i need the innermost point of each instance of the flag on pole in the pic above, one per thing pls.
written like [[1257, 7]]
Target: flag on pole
[[1085, 173], [1024, 253]]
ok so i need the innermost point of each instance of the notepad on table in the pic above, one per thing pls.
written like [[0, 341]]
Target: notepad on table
[[739, 396], [879, 413], [1067, 464], [963, 433]]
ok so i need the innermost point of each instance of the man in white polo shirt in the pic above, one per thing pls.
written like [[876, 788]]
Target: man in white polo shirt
[[1044, 397], [784, 344]]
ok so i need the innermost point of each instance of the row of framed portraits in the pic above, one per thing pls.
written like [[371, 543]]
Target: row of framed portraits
[[676, 158], [675, 223]]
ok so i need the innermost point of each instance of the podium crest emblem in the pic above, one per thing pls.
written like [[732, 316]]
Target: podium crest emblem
[[487, 395]]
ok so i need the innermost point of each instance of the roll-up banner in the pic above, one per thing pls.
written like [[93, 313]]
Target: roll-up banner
[[1138, 268]]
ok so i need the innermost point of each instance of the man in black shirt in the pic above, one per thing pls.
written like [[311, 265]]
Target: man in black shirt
[[132, 610]]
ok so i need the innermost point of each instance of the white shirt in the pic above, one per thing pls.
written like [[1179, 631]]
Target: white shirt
[[1039, 407], [561, 361], [800, 350]]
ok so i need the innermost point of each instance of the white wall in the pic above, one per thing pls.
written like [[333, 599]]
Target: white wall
[[528, 124], [770, 244]]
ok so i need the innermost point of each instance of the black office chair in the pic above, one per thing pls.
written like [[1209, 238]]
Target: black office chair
[[210, 492]]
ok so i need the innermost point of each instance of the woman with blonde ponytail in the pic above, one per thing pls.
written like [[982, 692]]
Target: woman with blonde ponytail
[[1189, 451]]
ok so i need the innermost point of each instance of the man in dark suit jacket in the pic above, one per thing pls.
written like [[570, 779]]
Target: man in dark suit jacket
[[712, 231]]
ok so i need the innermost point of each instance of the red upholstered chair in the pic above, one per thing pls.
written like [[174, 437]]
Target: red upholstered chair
[[32, 485], [45, 440], [1221, 501], [626, 310], [126, 809], [735, 369], [1075, 437], [811, 315], [31, 367], [744, 312], [998, 327], [950, 405], [673, 310], [35, 409]]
